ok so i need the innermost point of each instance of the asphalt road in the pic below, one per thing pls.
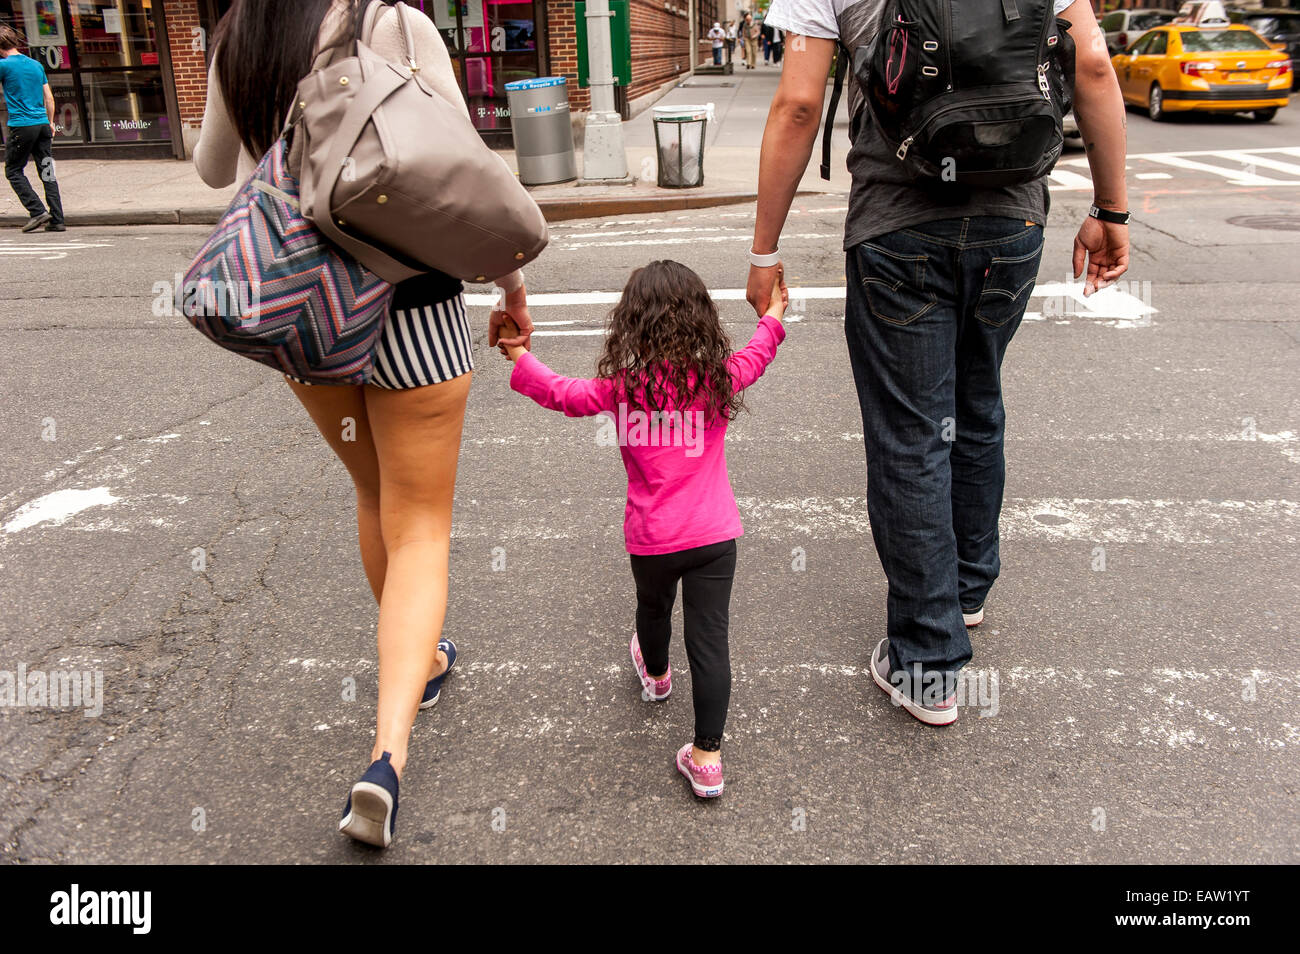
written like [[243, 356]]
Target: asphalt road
[[1145, 672]]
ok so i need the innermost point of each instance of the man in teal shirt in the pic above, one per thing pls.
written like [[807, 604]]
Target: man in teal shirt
[[31, 132]]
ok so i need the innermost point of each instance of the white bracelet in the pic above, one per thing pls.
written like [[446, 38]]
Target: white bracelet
[[514, 285], [502, 292], [765, 261]]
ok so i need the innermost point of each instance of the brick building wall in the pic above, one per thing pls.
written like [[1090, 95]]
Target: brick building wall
[[661, 34], [562, 33], [189, 64]]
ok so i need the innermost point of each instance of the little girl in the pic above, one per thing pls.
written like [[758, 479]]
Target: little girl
[[671, 385]]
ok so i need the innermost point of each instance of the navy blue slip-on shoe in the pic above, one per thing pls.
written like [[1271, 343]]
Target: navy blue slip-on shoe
[[371, 812], [434, 689]]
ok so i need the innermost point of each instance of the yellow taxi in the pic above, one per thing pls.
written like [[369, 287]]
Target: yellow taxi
[[1180, 67]]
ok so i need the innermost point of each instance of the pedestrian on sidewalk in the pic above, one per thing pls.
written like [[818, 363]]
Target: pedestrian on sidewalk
[[398, 436], [778, 45], [717, 35], [669, 385], [749, 36], [766, 33], [31, 133], [939, 274]]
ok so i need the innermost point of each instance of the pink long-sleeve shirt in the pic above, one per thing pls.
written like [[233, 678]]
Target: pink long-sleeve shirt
[[679, 494]]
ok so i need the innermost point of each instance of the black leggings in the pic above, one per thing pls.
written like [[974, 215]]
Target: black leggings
[[706, 574]]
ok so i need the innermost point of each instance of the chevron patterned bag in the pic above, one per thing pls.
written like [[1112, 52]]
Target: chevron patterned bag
[[269, 286]]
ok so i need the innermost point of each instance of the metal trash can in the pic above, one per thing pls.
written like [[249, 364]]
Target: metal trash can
[[679, 144], [539, 116]]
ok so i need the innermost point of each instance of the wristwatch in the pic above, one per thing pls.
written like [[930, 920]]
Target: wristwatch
[[1105, 215]]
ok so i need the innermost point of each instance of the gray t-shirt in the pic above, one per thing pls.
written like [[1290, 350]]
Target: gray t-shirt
[[884, 196]]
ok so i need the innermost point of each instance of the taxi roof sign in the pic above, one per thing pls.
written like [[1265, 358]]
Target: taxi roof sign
[[1203, 13]]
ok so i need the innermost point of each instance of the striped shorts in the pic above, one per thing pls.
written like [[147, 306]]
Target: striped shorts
[[422, 346]]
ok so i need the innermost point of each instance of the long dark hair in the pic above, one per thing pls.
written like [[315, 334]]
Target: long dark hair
[[665, 347], [263, 48]]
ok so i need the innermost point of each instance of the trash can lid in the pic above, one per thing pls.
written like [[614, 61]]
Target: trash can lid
[[681, 113], [539, 83]]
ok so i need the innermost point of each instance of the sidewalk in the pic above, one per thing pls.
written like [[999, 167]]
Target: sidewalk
[[163, 192]]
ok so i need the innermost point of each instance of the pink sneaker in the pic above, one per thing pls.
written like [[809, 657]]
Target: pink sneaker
[[652, 690], [706, 780]]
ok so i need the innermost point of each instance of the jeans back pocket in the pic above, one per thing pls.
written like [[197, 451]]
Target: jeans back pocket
[[1008, 283], [894, 283]]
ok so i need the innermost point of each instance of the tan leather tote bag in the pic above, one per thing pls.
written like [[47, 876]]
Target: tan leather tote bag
[[397, 176]]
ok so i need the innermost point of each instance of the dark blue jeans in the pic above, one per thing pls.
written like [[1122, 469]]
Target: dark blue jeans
[[24, 144], [930, 312]]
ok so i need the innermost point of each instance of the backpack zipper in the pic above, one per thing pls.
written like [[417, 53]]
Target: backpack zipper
[[994, 101], [1042, 82], [947, 41]]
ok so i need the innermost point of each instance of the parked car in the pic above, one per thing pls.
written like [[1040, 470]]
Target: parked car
[[1280, 27], [1122, 27], [1070, 129], [1226, 69]]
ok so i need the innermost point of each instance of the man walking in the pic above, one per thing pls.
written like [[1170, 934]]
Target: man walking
[[717, 35], [938, 277], [749, 36], [31, 132]]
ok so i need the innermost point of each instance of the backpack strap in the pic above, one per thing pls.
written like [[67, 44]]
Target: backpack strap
[[841, 67], [1009, 11]]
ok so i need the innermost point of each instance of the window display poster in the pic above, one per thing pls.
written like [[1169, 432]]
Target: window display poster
[[112, 20], [44, 23]]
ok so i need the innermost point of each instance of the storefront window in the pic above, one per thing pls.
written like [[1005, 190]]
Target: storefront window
[[126, 106], [67, 109], [116, 35], [102, 61], [485, 86], [491, 42], [41, 23]]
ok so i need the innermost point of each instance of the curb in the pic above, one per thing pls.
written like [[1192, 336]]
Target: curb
[[555, 210]]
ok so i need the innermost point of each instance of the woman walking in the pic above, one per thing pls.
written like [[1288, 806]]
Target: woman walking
[[403, 452]]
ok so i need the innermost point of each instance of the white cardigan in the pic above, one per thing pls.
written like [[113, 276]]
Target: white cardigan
[[220, 158]]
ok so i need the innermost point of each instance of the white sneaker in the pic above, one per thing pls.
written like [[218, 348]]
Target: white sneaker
[[974, 617]]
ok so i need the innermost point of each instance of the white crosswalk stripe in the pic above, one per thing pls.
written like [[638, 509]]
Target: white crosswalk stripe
[[1125, 307], [1239, 167]]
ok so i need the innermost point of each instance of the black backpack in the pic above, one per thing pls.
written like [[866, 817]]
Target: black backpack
[[972, 92]]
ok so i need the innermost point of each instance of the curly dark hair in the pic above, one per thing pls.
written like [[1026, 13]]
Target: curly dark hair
[[665, 347]]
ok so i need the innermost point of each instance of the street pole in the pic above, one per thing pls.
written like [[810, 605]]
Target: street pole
[[603, 156]]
